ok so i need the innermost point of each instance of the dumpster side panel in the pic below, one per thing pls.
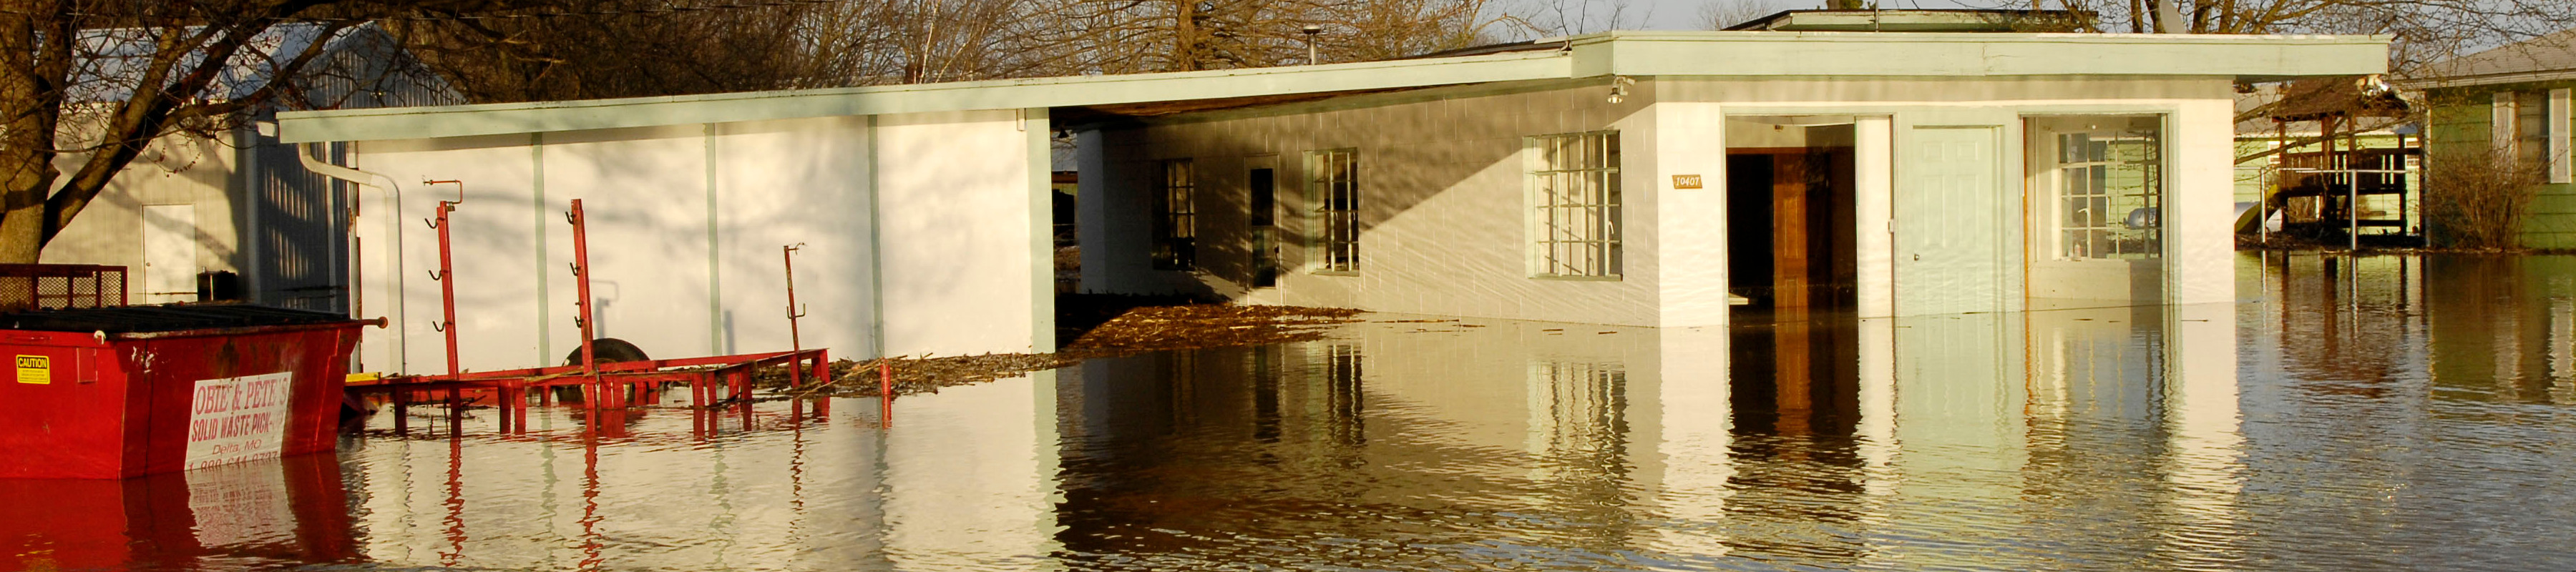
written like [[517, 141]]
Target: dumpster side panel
[[322, 375], [63, 410], [219, 399]]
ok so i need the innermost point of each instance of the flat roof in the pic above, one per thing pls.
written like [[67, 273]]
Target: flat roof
[[1646, 54]]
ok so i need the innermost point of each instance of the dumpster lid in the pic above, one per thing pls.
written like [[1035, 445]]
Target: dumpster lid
[[163, 318]]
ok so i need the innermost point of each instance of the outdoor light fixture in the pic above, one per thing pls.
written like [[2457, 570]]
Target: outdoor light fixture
[[1310, 31], [1619, 88]]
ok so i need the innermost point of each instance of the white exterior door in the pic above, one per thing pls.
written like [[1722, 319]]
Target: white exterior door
[[1950, 228], [169, 254]]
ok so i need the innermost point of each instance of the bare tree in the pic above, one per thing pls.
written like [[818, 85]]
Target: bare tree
[[2425, 31], [1569, 17], [1128, 36], [584, 49], [1719, 14], [92, 83], [2484, 197]]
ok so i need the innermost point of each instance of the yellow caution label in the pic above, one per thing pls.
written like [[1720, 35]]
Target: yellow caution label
[[35, 369]]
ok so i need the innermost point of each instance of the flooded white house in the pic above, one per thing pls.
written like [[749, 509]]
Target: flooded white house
[[1647, 178], [1631, 178]]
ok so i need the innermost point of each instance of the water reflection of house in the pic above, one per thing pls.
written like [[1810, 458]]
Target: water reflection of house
[[1581, 179], [2491, 328], [1638, 441]]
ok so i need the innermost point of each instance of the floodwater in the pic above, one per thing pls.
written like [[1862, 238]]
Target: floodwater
[[2387, 412]]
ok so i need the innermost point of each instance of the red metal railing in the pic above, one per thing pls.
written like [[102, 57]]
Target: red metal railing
[[58, 286], [714, 381]]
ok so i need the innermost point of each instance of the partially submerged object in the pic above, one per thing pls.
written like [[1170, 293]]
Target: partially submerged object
[[105, 393]]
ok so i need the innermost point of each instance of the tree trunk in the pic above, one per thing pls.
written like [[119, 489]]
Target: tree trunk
[[21, 232]]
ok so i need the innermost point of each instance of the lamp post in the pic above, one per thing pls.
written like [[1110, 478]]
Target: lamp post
[[1310, 31]]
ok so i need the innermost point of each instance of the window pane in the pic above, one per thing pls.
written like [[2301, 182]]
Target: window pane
[[1574, 190], [2109, 185]]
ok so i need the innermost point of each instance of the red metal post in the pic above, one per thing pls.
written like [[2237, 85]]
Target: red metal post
[[446, 271], [581, 278], [795, 342], [446, 287], [822, 374], [885, 393]]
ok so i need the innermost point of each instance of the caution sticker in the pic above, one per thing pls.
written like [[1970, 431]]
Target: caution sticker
[[35, 369]]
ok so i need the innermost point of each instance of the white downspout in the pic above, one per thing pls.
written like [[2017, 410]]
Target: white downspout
[[393, 220]]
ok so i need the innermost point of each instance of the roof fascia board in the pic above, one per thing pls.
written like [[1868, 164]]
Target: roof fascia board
[[493, 119], [1977, 54], [1364, 101]]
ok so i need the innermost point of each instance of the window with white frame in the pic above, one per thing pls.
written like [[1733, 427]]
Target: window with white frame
[[1333, 182], [2531, 127], [1175, 216], [1574, 202], [2531, 130], [2108, 179]]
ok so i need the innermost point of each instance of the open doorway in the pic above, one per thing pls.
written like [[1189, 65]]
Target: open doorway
[[1790, 194], [1791, 186]]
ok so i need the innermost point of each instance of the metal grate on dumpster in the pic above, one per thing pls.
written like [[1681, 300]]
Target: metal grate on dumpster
[[56, 286], [162, 318]]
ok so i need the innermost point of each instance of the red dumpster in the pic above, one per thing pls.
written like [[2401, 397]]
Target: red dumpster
[[106, 393]]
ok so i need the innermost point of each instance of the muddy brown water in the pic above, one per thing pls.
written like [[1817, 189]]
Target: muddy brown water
[[2413, 412]]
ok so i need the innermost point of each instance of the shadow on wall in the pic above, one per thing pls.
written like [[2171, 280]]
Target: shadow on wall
[[1465, 152]]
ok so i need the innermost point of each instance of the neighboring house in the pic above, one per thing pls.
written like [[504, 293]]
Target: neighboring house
[[2512, 102], [236, 200], [1624, 178]]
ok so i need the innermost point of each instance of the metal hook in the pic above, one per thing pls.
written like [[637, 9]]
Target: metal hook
[[568, 219], [436, 275], [438, 326], [433, 223], [796, 312], [576, 268]]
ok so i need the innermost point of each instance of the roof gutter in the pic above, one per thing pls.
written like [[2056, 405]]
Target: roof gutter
[[304, 155]]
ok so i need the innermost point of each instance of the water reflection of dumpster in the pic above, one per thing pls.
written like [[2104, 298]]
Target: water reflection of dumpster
[[104, 393], [254, 515]]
